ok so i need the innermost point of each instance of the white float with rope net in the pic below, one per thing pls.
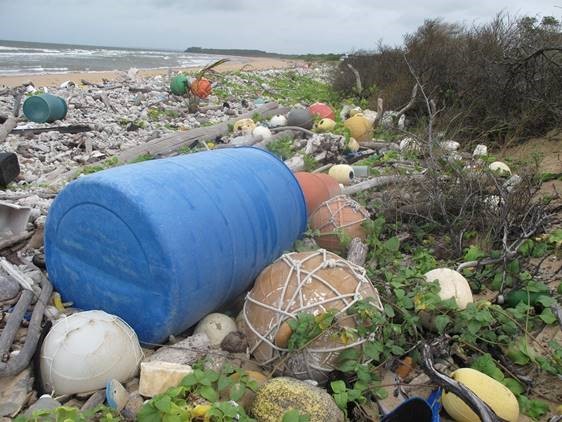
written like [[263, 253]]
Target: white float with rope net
[[309, 282]]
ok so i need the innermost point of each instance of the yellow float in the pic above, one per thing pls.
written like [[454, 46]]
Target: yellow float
[[496, 395], [359, 127]]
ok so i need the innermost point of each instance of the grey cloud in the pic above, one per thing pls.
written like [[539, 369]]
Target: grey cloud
[[289, 26]]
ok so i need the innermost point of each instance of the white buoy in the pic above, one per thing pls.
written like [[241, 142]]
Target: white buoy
[[450, 146], [453, 286], [278, 120], [84, 351], [261, 131], [216, 326], [499, 167]]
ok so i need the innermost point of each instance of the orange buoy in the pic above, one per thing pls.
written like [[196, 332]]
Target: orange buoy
[[310, 282], [316, 189], [331, 183], [338, 217], [201, 88]]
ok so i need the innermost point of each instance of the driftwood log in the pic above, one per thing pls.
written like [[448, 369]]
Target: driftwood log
[[357, 252], [168, 144], [14, 365], [12, 120], [61, 129], [358, 84], [380, 112], [297, 128], [377, 145], [323, 168], [10, 241], [142, 89], [378, 182], [7, 127]]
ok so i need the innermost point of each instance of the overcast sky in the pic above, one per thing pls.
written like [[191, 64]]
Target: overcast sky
[[286, 26]]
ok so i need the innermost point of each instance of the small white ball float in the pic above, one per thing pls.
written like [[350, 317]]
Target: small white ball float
[[216, 326], [500, 168], [278, 120], [262, 131]]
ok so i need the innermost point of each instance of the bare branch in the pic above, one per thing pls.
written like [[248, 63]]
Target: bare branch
[[358, 83], [410, 103], [380, 111], [472, 400]]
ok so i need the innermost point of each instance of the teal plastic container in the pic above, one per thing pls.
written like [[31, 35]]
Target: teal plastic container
[[45, 108], [178, 85], [163, 243]]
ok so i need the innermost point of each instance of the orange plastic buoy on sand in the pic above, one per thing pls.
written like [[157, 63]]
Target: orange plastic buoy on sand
[[201, 88]]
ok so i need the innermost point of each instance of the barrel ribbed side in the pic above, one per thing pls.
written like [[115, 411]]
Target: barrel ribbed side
[[164, 242]]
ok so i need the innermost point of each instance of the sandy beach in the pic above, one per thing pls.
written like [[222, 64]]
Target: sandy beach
[[55, 79]]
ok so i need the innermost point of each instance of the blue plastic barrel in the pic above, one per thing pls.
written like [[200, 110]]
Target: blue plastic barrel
[[164, 242], [44, 108]]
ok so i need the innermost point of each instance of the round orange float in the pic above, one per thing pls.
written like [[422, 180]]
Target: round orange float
[[201, 87], [316, 189], [311, 282], [331, 183], [336, 218]]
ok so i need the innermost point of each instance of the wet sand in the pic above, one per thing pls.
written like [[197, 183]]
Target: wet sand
[[55, 79]]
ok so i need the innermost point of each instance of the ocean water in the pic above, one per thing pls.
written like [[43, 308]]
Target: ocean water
[[18, 57]]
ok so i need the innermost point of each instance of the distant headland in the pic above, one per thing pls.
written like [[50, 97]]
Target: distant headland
[[260, 53]]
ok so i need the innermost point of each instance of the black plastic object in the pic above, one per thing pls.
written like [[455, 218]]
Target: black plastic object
[[414, 409], [9, 167]]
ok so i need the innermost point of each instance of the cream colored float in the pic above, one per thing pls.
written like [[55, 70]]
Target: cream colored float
[[262, 131], [244, 126], [453, 286], [343, 173], [500, 168], [278, 120], [324, 125], [353, 145]]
